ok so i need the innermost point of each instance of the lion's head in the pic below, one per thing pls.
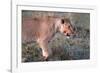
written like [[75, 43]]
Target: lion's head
[[66, 28]]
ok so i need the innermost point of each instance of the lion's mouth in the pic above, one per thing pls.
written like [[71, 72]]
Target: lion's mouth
[[68, 35]]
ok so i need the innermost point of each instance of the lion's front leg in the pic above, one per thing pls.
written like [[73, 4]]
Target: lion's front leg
[[46, 51]]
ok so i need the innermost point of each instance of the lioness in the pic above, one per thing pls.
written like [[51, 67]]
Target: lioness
[[43, 29]]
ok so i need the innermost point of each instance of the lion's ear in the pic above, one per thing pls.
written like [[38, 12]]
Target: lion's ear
[[62, 21]]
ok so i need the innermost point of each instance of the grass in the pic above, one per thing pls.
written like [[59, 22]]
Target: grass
[[76, 48], [63, 49]]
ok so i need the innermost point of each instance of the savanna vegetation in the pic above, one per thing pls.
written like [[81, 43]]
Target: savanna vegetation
[[74, 48]]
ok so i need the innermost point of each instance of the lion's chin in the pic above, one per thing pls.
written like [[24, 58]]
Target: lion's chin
[[68, 37]]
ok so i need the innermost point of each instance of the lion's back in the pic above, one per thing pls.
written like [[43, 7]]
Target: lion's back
[[30, 29], [34, 28]]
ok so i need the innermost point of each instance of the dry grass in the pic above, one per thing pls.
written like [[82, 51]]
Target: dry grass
[[75, 48]]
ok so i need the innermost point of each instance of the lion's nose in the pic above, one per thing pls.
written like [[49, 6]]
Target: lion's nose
[[64, 31]]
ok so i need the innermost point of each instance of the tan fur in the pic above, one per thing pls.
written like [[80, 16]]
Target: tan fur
[[42, 30]]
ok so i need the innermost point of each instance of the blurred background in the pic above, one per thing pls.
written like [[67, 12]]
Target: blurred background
[[76, 48]]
